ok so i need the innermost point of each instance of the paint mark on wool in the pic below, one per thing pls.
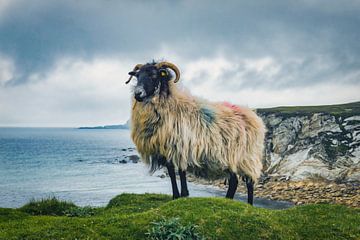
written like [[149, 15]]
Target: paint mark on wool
[[208, 115], [232, 106]]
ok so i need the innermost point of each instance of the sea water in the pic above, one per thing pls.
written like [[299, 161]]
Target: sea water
[[80, 165]]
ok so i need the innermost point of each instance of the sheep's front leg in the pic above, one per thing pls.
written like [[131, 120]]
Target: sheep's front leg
[[171, 170], [184, 188], [233, 182]]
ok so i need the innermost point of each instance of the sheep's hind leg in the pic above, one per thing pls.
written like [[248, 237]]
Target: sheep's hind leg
[[250, 189], [233, 182], [184, 188], [171, 170]]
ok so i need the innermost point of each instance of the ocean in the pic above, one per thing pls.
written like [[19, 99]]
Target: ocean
[[80, 165]]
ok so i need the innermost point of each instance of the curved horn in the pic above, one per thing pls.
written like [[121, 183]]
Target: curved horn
[[172, 67], [137, 67]]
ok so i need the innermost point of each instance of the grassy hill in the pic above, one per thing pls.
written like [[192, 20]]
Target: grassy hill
[[348, 109], [131, 216]]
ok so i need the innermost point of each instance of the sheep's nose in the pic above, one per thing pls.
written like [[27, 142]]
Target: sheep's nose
[[139, 94]]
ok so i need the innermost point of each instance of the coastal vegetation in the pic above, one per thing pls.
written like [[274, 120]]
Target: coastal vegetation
[[147, 216], [344, 110]]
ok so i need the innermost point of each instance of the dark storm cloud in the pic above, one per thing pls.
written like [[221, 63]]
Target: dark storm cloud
[[309, 41]]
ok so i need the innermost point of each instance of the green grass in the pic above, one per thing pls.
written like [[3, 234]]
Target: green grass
[[345, 110], [131, 216], [49, 206]]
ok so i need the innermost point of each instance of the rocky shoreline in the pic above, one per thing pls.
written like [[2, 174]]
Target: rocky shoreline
[[283, 189], [298, 192]]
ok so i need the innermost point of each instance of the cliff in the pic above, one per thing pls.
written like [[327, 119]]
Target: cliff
[[313, 142]]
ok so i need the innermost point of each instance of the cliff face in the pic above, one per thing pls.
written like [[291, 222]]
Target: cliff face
[[313, 142]]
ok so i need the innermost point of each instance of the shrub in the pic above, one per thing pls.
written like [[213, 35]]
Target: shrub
[[173, 229]]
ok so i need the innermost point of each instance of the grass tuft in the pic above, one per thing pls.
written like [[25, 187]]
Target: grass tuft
[[47, 206]]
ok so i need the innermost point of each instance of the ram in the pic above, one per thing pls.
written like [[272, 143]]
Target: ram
[[172, 128]]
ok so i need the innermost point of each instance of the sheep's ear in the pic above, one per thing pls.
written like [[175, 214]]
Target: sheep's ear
[[132, 73]]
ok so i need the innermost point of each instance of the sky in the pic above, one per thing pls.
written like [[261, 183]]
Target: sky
[[64, 63]]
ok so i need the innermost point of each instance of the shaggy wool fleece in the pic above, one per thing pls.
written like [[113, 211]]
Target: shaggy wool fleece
[[190, 131]]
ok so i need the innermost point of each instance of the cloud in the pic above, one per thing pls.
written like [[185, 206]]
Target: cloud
[[213, 82], [49, 30], [59, 60], [4, 4], [7, 70], [74, 92], [81, 92]]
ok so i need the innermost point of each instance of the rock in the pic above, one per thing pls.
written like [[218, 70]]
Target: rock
[[304, 192], [134, 158], [123, 161], [284, 178]]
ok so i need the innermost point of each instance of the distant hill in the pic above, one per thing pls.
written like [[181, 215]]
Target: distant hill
[[120, 126]]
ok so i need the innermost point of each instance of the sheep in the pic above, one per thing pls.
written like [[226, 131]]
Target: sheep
[[172, 128]]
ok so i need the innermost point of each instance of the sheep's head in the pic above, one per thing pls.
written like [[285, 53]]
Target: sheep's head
[[152, 79]]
